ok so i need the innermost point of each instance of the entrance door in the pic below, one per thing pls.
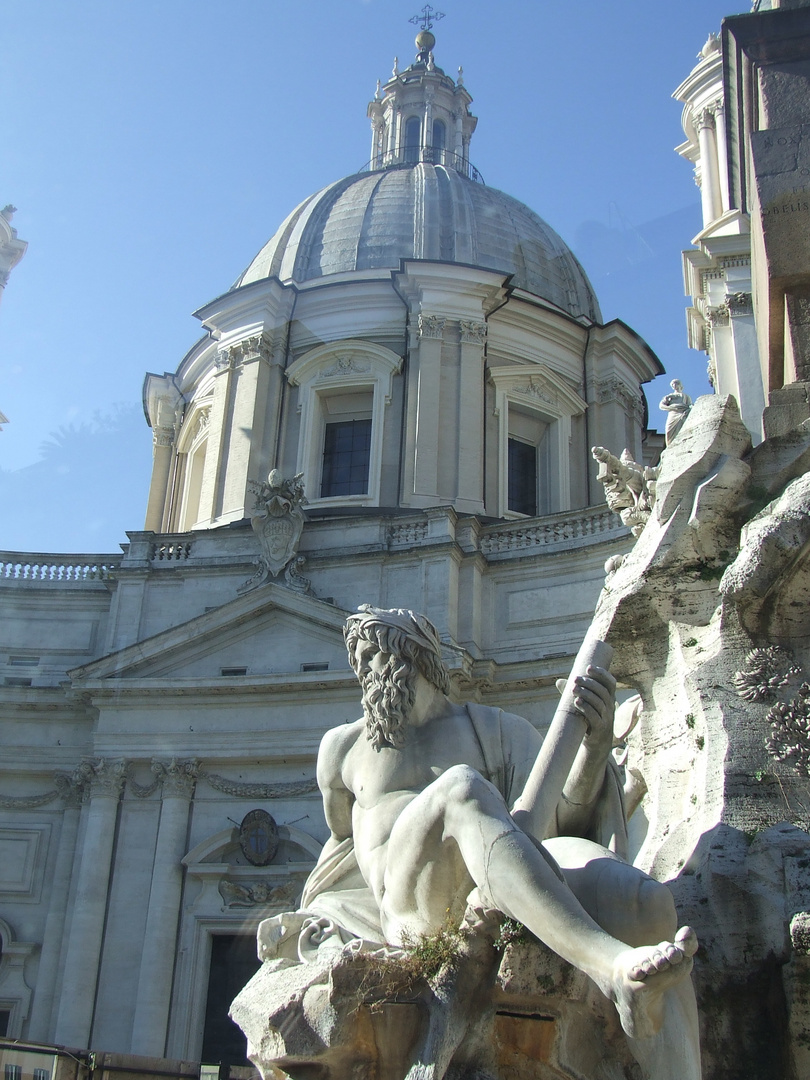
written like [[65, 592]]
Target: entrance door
[[233, 963]]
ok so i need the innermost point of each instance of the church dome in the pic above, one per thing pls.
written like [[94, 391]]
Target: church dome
[[372, 220]]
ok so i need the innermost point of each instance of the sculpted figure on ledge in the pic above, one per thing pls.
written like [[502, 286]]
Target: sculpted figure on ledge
[[437, 808]]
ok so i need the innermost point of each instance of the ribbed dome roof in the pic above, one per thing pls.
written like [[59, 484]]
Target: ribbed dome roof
[[372, 220]]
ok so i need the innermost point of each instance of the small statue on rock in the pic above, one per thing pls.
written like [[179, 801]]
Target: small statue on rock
[[677, 405], [629, 487]]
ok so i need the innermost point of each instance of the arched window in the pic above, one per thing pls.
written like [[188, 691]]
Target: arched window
[[413, 130], [344, 388], [535, 408]]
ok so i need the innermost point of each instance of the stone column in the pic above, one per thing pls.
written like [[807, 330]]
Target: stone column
[[162, 457], [458, 145], [722, 155], [393, 131], [219, 430], [748, 391], [71, 788], [471, 407], [427, 128], [709, 185], [75, 1018], [157, 958], [426, 449]]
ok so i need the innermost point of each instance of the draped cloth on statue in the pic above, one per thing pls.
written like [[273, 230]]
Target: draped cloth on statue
[[338, 907]]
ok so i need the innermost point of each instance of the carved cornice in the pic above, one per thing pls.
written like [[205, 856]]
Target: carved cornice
[[472, 332], [431, 326]]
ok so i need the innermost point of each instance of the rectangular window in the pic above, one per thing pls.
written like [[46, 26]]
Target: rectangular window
[[42, 1074], [522, 477], [346, 452], [13, 1072], [15, 680], [23, 661], [314, 667], [5, 1020], [230, 672]]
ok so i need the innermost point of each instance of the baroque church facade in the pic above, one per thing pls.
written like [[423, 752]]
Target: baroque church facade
[[395, 404]]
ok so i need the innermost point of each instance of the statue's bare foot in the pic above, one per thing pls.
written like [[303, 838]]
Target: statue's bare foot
[[640, 977]]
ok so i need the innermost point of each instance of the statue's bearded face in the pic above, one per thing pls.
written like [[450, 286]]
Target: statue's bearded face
[[389, 689]]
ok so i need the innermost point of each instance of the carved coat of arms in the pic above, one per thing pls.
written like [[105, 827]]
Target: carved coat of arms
[[277, 520]]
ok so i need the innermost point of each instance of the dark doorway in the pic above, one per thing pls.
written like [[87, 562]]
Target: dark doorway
[[233, 963]]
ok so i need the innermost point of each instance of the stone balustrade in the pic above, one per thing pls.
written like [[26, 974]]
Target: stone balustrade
[[559, 529], [28, 567]]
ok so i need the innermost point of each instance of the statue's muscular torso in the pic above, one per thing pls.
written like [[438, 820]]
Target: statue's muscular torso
[[366, 790]]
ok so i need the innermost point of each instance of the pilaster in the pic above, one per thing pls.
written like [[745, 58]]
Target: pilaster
[[470, 498], [428, 401], [71, 787], [157, 958], [105, 781]]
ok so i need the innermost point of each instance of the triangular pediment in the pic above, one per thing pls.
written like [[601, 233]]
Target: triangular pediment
[[270, 631]]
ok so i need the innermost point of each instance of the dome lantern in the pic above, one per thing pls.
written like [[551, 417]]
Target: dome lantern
[[422, 115]]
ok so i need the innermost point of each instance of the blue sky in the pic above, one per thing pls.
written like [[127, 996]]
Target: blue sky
[[153, 147]]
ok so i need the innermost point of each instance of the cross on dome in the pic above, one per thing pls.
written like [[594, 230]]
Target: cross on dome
[[427, 18]]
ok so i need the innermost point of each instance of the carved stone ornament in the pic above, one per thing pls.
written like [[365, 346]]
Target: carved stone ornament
[[768, 674], [277, 521], [431, 326], [104, 778], [614, 389], [177, 777], [717, 315], [739, 303], [538, 390], [236, 895], [766, 671], [790, 731], [473, 333], [629, 487], [344, 365], [258, 837], [240, 789], [252, 348], [163, 436]]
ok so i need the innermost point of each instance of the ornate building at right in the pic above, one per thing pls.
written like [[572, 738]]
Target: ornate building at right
[[746, 107]]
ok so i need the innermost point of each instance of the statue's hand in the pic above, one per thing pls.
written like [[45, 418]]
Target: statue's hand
[[595, 699]]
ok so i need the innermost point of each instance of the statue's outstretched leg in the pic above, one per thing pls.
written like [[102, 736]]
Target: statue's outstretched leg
[[458, 833]]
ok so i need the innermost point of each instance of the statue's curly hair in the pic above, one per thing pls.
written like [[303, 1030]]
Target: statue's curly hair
[[402, 633]]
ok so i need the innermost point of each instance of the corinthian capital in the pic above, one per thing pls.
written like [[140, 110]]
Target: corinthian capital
[[431, 326], [178, 776], [472, 332], [71, 787], [104, 778]]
